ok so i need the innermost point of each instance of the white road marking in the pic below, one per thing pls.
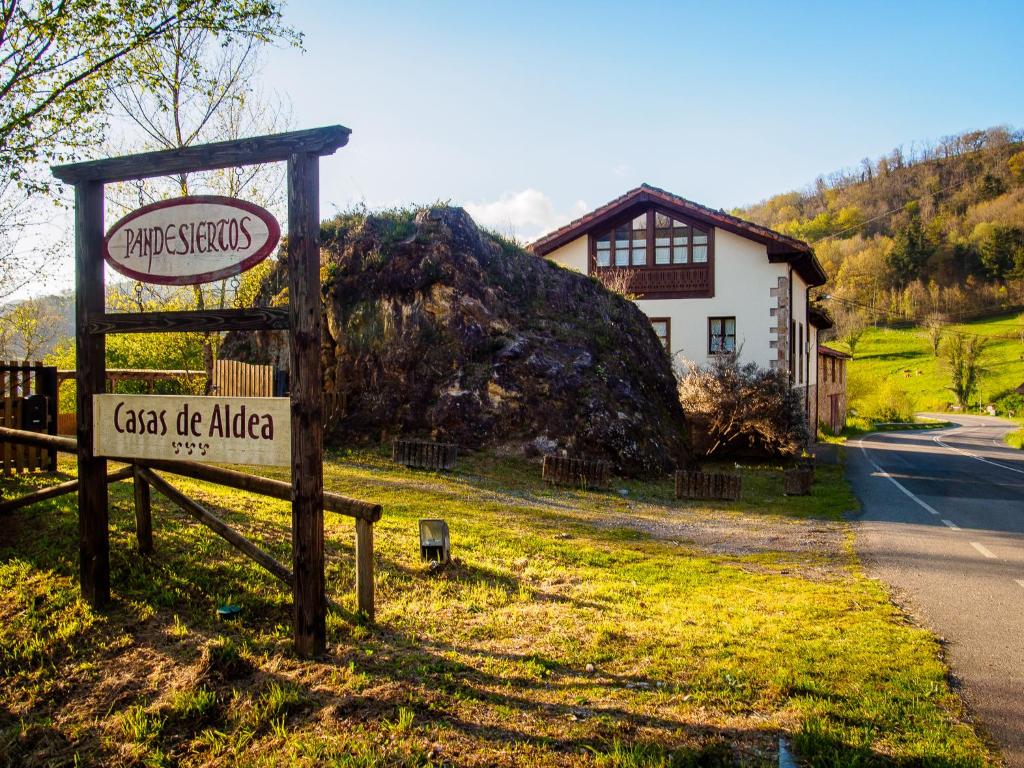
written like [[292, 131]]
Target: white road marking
[[894, 481], [952, 525], [984, 550], [975, 456]]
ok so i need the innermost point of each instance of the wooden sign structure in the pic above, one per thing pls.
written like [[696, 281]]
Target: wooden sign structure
[[302, 319]]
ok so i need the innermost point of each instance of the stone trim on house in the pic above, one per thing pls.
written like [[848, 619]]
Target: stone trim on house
[[780, 314]]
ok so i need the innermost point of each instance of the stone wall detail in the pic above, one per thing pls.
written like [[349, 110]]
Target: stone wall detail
[[780, 319]]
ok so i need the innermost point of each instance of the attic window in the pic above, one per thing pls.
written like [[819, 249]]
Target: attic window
[[625, 246], [673, 242]]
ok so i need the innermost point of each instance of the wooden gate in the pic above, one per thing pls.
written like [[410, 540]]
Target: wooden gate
[[28, 401], [232, 378]]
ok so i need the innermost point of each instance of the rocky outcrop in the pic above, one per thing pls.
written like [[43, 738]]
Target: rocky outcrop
[[436, 329]]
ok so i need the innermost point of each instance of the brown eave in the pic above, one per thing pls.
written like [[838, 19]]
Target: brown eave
[[819, 318], [781, 248], [829, 352]]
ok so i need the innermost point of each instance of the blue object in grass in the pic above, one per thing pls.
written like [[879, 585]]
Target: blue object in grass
[[228, 611]]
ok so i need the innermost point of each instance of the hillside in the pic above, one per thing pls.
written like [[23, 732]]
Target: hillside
[[890, 361], [938, 228]]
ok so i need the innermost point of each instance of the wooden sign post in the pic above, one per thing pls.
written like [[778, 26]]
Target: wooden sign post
[[302, 151]]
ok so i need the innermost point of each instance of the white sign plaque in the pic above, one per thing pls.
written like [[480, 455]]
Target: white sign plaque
[[219, 430], [191, 240]]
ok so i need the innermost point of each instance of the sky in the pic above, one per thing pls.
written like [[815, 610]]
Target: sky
[[530, 114]]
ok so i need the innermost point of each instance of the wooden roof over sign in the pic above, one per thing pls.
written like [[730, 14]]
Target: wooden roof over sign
[[222, 154]]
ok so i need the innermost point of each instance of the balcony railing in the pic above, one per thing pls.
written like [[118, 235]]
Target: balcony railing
[[692, 280]]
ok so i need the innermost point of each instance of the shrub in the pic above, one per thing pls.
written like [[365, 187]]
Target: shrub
[[734, 408], [890, 402]]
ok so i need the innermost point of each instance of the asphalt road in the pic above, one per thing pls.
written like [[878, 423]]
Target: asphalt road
[[943, 524]]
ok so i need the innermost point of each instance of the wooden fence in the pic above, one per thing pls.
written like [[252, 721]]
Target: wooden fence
[[67, 423], [28, 401], [232, 378], [423, 454], [144, 475], [707, 485], [582, 473]]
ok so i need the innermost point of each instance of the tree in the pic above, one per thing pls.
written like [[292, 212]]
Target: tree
[[192, 86], [58, 61], [30, 328], [1001, 249], [1016, 167], [963, 359], [910, 250], [850, 325], [935, 326]]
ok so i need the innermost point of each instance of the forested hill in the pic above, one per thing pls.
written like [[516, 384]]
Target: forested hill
[[936, 229]]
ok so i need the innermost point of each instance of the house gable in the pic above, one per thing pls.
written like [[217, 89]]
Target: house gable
[[779, 247]]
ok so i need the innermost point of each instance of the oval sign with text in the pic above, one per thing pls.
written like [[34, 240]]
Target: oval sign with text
[[191, 240]]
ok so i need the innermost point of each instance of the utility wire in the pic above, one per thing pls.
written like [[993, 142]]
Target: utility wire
[[896, 210], [902, 319]]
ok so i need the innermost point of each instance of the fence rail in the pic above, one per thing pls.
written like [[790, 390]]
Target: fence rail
[[143, 475]]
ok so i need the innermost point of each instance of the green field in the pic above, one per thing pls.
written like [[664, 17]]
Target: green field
[[904, 358], [617, 629]]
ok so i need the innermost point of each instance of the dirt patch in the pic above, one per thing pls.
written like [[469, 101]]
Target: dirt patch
[[814, 548]]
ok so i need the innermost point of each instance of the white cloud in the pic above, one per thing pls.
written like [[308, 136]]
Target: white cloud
[[524, 215]]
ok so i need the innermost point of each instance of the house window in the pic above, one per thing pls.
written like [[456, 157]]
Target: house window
[[673, 242], [625, 246], [663, 330], [721, 335]]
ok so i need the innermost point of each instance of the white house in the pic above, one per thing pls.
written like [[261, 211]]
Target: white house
[[709, 281]]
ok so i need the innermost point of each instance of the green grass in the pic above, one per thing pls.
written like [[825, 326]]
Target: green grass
[[904, 356], [858, 426], [573, 629], [1015, 439]]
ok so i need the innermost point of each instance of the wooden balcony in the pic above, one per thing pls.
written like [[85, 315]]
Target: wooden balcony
[[690, 281]]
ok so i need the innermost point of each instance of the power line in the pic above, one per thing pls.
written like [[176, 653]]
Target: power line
[[903, 206], [902, 319]]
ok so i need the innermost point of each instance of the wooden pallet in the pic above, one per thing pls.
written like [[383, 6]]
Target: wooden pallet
[[707, 485], [422, 454], [582, 473], [797, 482]]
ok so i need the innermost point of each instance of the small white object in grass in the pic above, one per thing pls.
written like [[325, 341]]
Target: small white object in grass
[[623, 492], [589, 668]]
